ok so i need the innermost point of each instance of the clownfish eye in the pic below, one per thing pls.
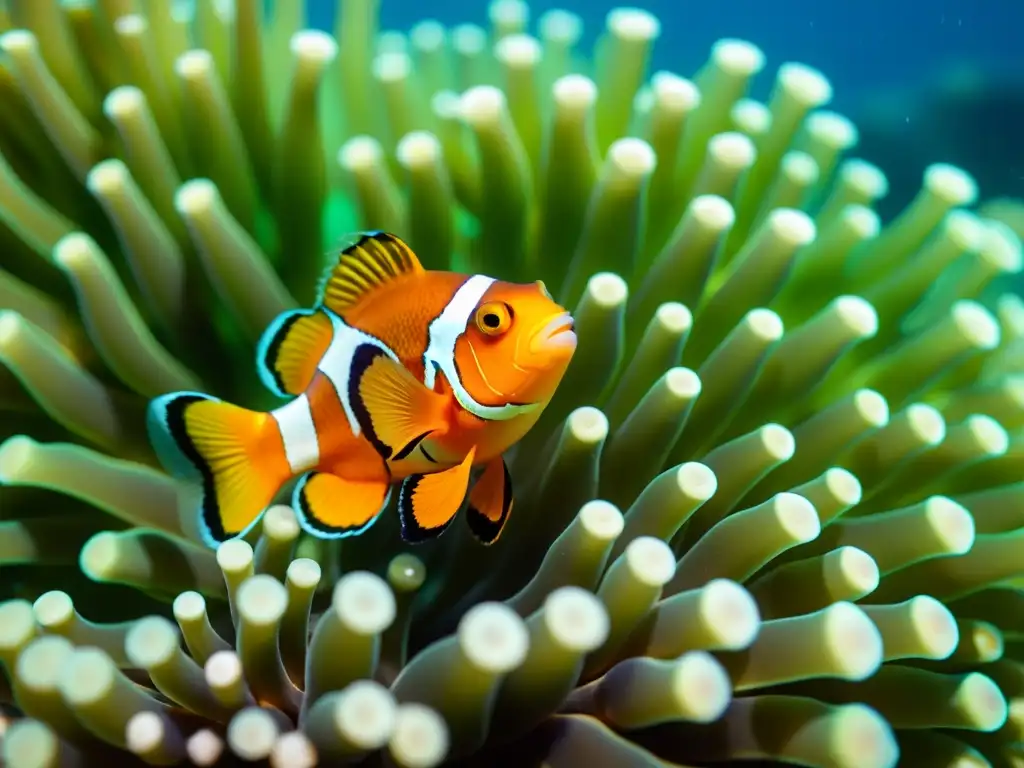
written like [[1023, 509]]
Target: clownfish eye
[[494, 318]]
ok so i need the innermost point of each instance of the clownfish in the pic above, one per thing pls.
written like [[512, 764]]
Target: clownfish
[[397, 374]]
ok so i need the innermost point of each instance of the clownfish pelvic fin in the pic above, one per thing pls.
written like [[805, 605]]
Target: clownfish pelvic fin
[[427, 503], [490, 502]]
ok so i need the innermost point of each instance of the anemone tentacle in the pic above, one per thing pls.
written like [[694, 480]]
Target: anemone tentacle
[[774, 512]]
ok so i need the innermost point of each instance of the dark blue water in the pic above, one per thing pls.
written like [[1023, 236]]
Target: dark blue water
[[863, 45], [924, 80]]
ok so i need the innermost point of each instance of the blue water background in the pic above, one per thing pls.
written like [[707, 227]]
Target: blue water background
[[925, 80], [864, 46]]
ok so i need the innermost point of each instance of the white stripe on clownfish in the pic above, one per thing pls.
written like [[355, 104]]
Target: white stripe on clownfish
[[443, 334], [298, 433], [295, 418], [336, 363]]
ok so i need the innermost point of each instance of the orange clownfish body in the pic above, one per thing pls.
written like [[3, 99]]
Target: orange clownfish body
[[398, 374]]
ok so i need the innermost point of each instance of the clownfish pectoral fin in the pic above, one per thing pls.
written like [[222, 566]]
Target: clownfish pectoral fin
[[331, 507], [427, 504], [373, 260], [235, 453], [395, 410], [490, 502], [291, 348]]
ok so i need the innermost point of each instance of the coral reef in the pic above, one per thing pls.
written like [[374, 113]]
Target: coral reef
[[775, 512]]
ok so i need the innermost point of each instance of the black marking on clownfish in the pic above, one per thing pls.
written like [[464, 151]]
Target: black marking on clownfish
[[383, 264], [174, 414], [275, 347], [411, 446], [427, 456], [313, 522], [412, 531], [482, 527], [362, 359]]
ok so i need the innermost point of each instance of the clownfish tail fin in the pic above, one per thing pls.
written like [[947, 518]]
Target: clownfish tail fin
[[236, 454]]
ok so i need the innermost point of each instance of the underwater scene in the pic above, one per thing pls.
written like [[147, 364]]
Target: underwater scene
[[511, 384]]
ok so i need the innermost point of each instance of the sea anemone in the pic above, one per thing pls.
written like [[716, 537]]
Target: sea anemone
[[775, 511]]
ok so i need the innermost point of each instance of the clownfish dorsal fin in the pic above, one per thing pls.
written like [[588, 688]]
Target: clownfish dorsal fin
[[291, 348], [374, 260]]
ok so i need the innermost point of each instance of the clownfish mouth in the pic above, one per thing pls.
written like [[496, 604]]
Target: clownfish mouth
[[556, 335]]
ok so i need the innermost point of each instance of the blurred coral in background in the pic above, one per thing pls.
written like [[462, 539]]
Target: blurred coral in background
[[775, 511]]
